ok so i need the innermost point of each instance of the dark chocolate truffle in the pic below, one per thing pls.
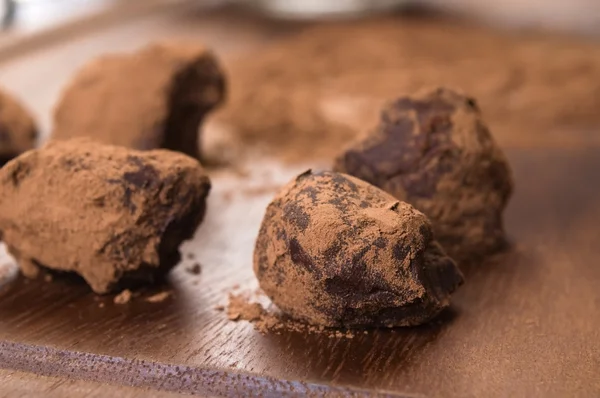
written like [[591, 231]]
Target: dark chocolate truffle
[[155, 98], [18, 132], [336, 251], [113, 215], [434, 151]]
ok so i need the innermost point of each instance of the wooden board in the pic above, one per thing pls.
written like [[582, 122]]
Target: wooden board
[[27, 385], [526, 323]]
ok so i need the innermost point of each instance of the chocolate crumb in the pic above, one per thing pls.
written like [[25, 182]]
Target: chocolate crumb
[[123, 298], [195, 269], [190, 256], [158, 297], [113, 215], [154, 98], [239, 308], [336, 251], [48, 277]]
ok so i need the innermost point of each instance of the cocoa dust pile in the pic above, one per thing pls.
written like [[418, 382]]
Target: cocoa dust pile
[[243, 307], [309, 94], [113, 215], [335, 251], [434, 151], [154, 98]]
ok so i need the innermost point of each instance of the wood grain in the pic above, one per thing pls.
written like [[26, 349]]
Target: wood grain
[[525, 324], [26, 385]]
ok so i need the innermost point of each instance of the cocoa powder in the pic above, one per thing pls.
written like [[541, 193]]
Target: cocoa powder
[[309, 94], [245, 307], [434, 151], [113, 215], [154, 98], [336, 251]]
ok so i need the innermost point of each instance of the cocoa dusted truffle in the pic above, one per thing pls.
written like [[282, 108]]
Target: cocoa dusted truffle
[[336, 251], [155, 98], [18, 132], [113, 215], [434, 151]]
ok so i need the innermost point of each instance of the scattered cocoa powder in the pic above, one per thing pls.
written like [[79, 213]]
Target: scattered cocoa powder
[[194, 269], [158, 297], [18, 132], [114, 215], [154, 98], [434, 151], [241, 307], [311, 93], [336, 251], [123, 298]]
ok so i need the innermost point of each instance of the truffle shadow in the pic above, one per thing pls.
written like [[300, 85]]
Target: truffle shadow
[[70, 307], [343, 360]]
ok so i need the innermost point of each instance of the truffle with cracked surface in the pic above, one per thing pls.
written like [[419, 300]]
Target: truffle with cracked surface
[[336, 251], [434, 151]]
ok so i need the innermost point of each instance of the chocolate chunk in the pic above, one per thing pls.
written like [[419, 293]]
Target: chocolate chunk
[[155, 98], [195, 269], [362, 259], [18, 132], [113, 215], [434, 151]]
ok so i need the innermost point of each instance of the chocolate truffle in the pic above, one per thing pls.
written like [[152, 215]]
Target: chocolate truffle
[[113, 215], [434, 151], [154, 98], [18, 132], [336, 251]]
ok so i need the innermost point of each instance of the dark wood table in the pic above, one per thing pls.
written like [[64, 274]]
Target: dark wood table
[[526, 323]]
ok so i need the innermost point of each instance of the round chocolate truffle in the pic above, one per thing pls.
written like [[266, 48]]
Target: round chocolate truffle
[[434, 151], [18, 132], [336, 251]]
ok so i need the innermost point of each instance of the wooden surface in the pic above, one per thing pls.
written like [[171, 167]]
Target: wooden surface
[[27, 385], [526, 323]]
